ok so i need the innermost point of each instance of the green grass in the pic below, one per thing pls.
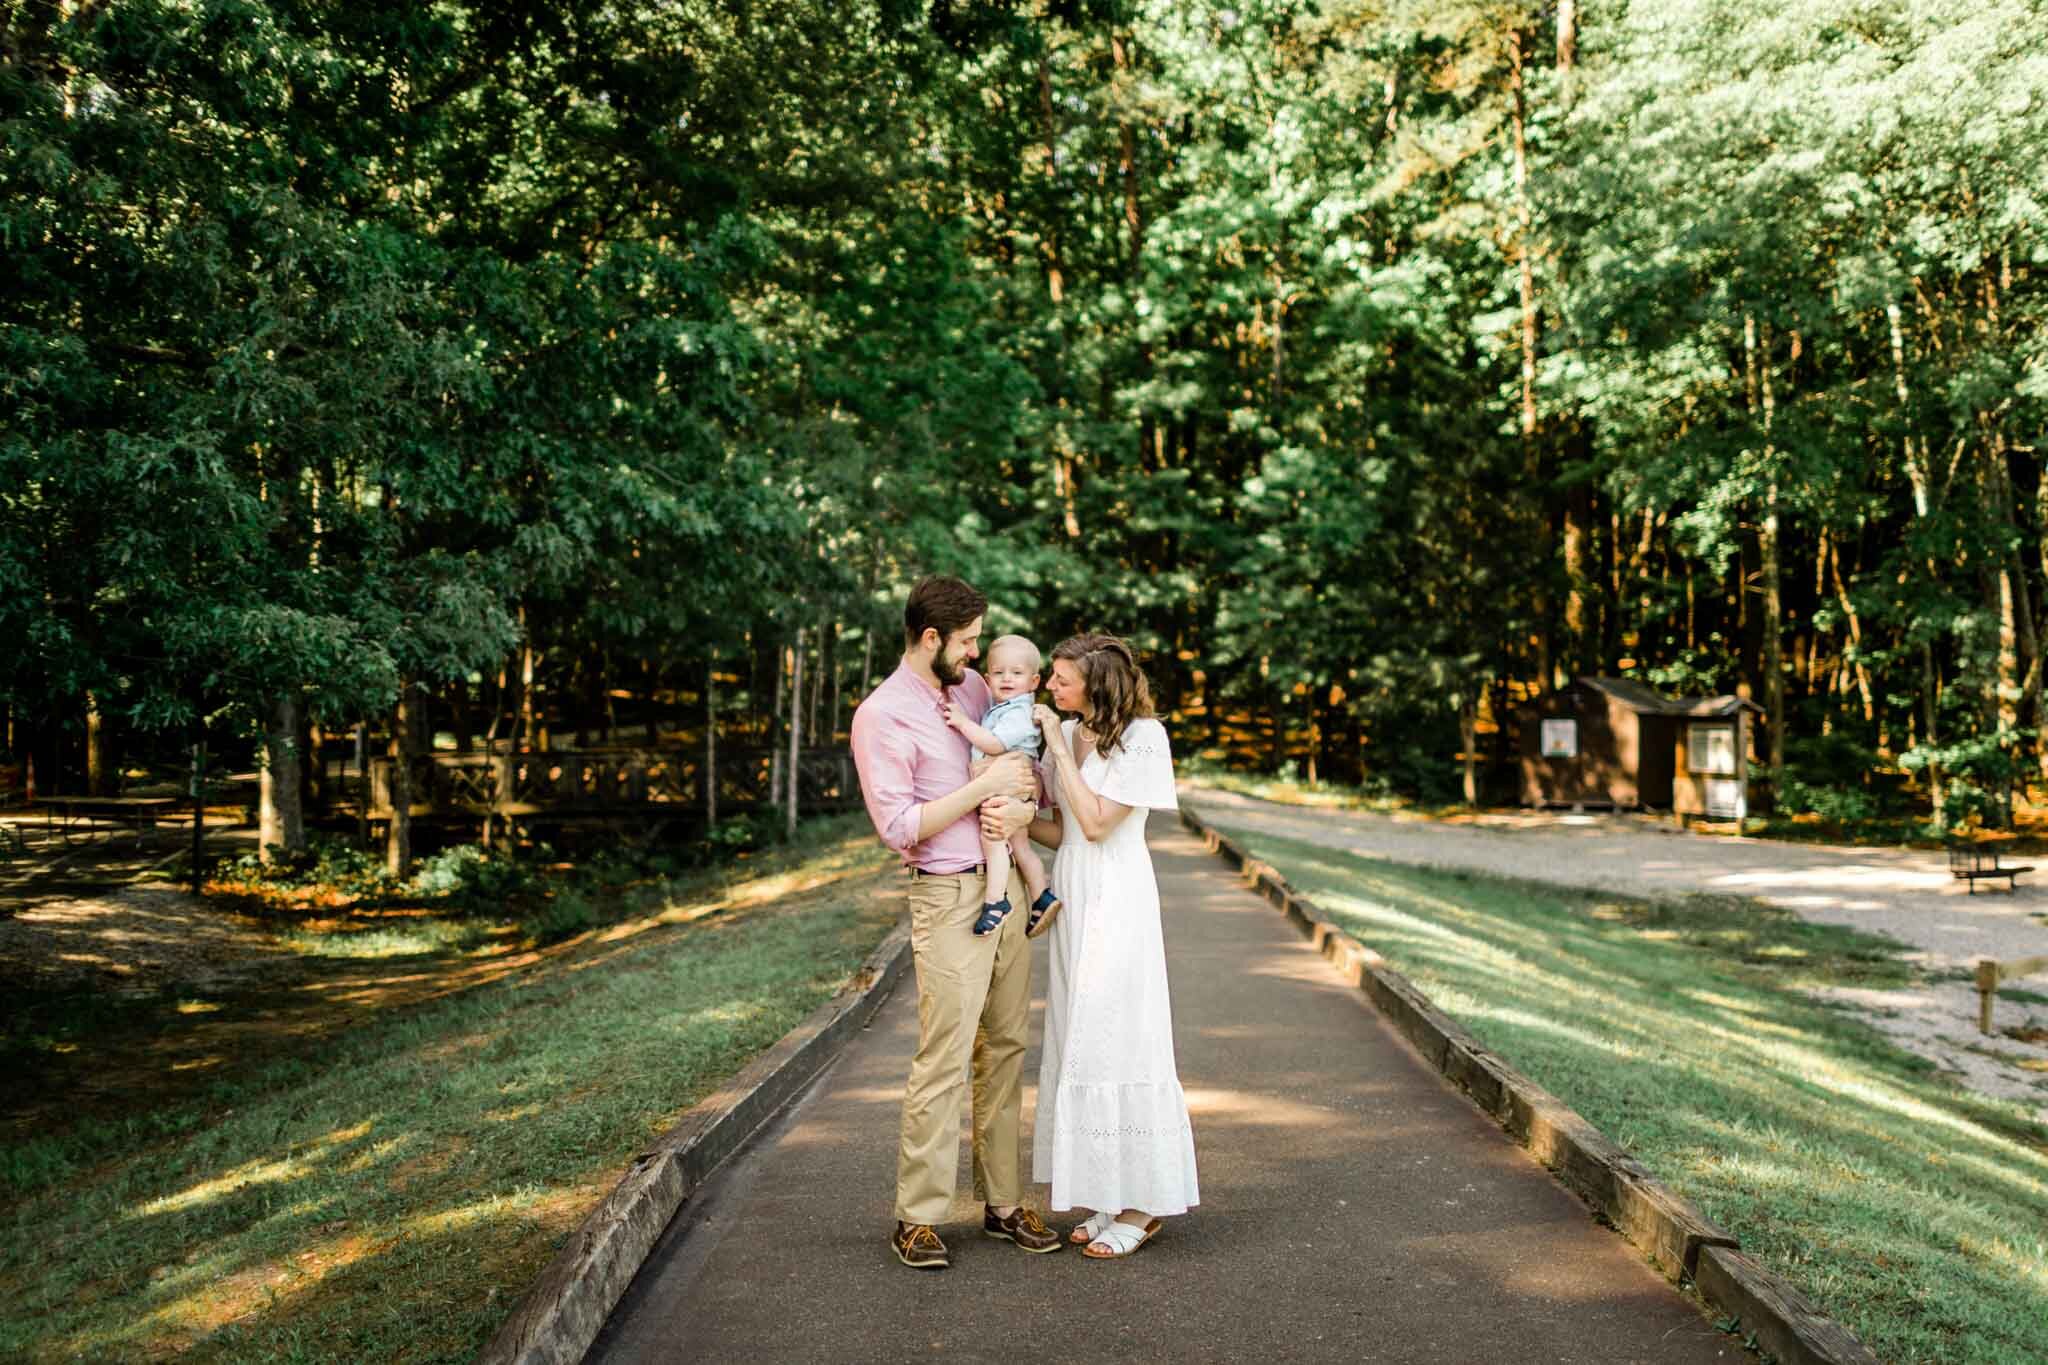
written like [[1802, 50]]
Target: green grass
[[387, 1194], [1912, 1211]]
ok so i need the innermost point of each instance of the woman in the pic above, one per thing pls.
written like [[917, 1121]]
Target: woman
[[1112, 1132]]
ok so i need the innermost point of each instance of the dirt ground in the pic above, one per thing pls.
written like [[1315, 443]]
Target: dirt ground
[[1903, 894]]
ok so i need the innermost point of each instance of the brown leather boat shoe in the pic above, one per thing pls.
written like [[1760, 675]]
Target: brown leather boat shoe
[[918, 1247], [1023, 1226]]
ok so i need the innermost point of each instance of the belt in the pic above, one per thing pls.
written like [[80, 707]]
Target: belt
[[979, 870]]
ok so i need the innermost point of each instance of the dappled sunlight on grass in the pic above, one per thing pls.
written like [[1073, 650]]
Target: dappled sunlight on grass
[[1529, 1020], [472, 1110], [250, 1174], [1684, 1031]]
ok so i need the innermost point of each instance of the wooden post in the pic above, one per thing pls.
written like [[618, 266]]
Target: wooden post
[[1990, 973]]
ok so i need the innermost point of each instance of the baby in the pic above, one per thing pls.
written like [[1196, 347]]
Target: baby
[[1013, 664]]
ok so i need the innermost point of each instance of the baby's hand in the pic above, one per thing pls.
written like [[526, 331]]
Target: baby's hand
[[955, 717]]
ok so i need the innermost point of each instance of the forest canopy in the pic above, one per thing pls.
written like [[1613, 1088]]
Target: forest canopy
[[1372, 364]]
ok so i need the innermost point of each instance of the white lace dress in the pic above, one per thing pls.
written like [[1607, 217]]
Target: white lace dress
[[1112, 1127]]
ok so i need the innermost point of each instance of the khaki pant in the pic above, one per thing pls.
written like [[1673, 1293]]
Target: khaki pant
[[973, 1005]]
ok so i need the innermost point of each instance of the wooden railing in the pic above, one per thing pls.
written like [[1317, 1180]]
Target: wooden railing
[[610, 782]]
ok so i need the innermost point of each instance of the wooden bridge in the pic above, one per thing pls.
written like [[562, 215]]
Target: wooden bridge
[[625, 785]]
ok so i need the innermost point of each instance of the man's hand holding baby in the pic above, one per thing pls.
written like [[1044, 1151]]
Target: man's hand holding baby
[[1010, 775]]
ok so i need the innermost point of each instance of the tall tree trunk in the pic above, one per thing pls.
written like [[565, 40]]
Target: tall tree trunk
[[776, 733], [1468, 740], [1762, 395], [197, 791], [1525, 267], [1055, 271], [796, 730], [1524, 231], [101, 771], [830, 668], [1855, 638], [2040, 694], [1577, 535], [1930, 728], [817, 683], [1120, 45], [281, 826], [527, 663], [313, 768], [1920, 475], [2006, 690], [398, 837], [710, 739]]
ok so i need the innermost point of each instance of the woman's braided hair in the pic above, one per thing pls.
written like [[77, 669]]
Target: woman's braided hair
[[1113, 690]]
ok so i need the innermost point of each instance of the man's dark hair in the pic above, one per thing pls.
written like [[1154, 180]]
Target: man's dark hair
[[942, 604]]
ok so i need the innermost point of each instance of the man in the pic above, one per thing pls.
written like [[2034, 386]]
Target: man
[[973, 991]]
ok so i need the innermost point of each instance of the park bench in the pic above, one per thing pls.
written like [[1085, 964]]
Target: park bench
[[1974, 862]]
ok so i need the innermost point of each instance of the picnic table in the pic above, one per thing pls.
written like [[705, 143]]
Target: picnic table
[[83, 818], [1973, 863]]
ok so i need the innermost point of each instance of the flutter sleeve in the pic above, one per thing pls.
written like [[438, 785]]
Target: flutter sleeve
[[1140, 772]]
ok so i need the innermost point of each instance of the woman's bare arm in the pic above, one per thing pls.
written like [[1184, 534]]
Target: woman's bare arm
[[1045, 831]]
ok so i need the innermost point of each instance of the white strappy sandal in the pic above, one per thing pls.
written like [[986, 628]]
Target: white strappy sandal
[[1120, 1240], [1089, 1228]]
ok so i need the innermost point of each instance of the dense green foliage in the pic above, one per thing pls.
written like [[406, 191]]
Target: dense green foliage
[[1372, 362]]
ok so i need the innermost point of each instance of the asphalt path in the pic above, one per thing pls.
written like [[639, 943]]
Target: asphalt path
[[1355, 1206]]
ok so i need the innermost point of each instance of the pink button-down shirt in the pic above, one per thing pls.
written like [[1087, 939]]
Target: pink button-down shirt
[[908, 755]]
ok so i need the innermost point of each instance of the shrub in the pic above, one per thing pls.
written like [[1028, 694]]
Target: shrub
[[1836, 805], [741, 834], [328, 861], [563, 915], [473, 877]]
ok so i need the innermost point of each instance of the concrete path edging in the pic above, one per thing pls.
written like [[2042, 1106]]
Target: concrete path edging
[[566, 1307], [1677, 1238]]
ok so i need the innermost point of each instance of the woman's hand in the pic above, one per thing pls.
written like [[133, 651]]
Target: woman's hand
[[1048, 721]]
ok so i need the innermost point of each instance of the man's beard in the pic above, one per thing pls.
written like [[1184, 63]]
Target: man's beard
[[949, 672]]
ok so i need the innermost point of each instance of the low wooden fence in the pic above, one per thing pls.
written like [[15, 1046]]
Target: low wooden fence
[[607, 784]]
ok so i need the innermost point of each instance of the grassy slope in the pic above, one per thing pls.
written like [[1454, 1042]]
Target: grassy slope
[[388, 1194], [1913, 1212]]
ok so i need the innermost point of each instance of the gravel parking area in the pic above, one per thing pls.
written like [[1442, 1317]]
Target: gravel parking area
[[1902, 894]]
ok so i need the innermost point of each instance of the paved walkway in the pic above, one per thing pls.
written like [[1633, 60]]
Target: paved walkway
[[1355, 1206], [1904, 894]]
